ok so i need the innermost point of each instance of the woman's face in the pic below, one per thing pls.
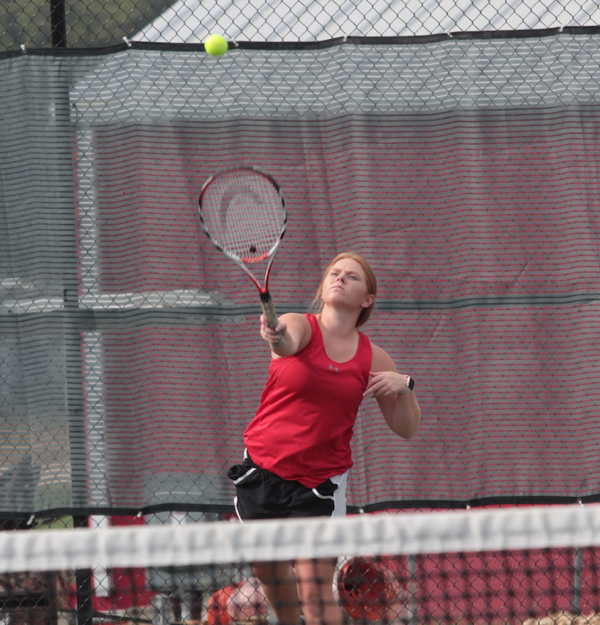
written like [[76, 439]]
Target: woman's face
[[346, 283]]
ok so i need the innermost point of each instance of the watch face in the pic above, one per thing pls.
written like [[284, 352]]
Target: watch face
[[411, 383]]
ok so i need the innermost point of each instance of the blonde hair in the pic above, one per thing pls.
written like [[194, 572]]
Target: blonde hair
[[371, 280]]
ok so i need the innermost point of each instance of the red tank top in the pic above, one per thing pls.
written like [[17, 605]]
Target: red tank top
[[303, 426]]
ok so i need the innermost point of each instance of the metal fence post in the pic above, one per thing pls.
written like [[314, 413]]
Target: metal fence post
[[84, 591], [58, 23], [577, 574]]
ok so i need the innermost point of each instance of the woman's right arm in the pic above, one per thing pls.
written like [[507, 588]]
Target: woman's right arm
[[295, 330]]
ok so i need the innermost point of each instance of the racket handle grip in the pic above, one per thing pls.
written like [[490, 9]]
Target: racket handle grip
[[270, 315]]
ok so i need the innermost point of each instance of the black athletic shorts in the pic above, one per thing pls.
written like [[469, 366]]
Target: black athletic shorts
[[261, 494]]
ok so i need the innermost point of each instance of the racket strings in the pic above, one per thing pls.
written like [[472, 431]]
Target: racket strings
[[243, 211]]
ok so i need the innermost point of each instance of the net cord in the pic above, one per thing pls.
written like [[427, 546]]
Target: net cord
[[227, 542]]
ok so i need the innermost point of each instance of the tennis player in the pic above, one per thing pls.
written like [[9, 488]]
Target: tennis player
[[298, 452]]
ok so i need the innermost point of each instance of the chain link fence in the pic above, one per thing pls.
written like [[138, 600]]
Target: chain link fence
[[96, 23], [464, 164], [464, 169]]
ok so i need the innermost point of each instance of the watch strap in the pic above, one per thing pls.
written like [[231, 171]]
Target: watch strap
[[410, 385]]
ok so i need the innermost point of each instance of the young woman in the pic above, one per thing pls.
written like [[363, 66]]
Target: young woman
[[298, 445]]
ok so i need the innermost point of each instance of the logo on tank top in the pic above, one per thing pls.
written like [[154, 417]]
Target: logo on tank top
[[332, 368]]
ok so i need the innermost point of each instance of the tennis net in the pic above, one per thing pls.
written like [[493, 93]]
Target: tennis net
[[531, 565]]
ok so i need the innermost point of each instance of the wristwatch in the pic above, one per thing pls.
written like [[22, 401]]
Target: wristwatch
[[410, 384]]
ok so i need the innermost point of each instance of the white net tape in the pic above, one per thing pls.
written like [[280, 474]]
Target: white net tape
[[228, 542]]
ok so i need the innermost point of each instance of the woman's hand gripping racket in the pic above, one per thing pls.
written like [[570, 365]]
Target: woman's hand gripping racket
[[243, 212]]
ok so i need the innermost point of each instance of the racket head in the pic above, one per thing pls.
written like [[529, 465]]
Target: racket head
[[243, 212]]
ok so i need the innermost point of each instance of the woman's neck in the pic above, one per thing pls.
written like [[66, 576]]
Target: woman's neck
[[339, 323]]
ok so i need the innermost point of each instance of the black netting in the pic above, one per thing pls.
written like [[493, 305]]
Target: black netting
[[535, 585]]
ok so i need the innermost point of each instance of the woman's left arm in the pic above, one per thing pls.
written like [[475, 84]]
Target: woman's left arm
[[398, 406]]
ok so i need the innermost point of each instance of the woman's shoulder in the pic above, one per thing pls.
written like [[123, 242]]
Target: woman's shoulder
[[298, 319], [301, 328]]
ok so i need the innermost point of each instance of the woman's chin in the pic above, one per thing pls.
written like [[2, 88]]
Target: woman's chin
[[341, 301]]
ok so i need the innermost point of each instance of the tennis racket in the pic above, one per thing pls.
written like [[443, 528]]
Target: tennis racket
[[242, 210]]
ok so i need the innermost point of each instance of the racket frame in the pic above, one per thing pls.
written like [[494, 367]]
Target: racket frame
[[265, 297]]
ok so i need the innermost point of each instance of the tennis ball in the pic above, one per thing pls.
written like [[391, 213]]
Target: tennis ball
[[216, 45]]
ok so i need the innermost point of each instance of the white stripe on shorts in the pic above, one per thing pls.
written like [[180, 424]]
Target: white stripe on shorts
[[339, 495]]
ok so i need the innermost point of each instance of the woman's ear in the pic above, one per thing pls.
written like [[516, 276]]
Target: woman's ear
[[368, 301]]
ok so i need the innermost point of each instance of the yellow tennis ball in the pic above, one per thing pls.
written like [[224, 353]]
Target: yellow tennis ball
[[216, 45]]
